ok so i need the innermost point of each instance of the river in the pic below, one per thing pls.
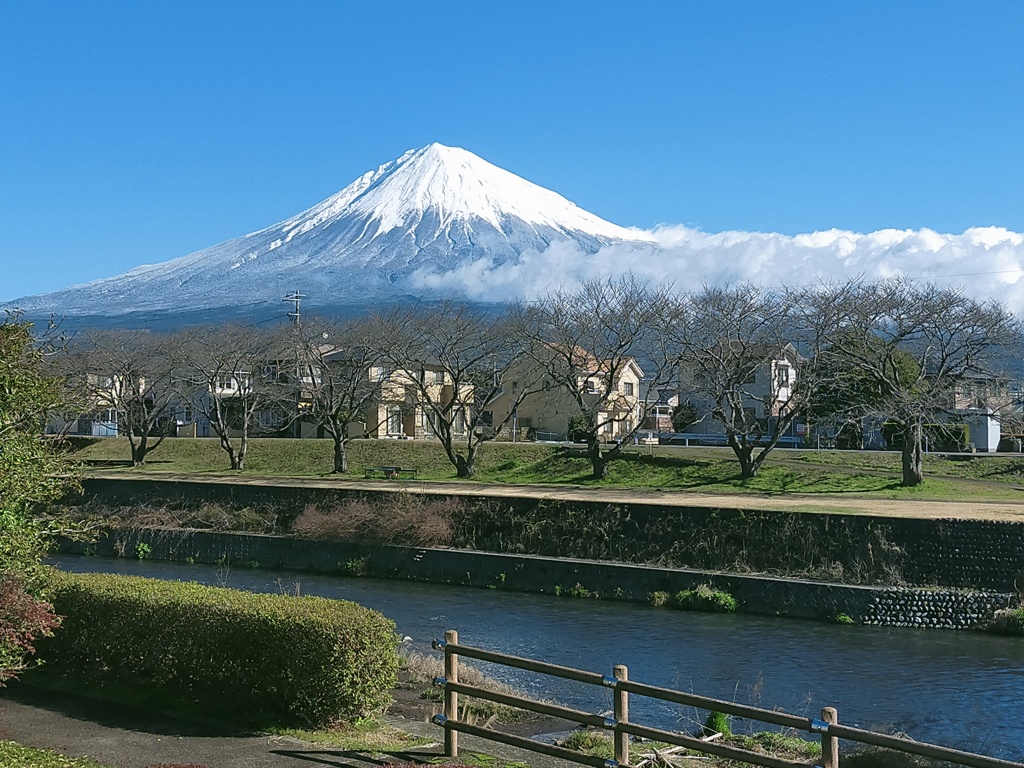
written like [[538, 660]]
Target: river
[[959, 689]]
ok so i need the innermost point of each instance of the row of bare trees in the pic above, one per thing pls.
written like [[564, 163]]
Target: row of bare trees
[[895, 349]]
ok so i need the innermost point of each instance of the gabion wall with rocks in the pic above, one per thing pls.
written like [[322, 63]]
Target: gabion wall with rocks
[[933, 609]]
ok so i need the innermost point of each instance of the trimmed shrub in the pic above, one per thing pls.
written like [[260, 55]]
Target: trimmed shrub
[[705, 598], [257, 659]]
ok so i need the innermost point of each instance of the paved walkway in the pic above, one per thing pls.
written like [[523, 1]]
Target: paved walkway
[[971, 510], [129, 737]]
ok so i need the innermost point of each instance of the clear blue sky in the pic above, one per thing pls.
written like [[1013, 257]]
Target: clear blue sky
[[137, 132]]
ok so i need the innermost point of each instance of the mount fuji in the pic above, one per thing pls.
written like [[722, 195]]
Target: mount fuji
[[392, 233]]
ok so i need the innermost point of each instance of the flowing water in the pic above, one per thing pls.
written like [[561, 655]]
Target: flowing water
[[960, 689]]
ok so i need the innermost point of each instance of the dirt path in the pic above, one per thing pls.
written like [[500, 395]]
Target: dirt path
[[848, 504]]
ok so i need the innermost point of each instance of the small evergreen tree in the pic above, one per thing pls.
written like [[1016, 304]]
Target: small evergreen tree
[[32, 474]]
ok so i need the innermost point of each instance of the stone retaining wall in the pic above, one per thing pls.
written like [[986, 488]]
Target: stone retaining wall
[[948, 609]]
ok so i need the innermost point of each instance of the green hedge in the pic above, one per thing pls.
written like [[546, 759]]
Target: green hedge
[[257, 659]]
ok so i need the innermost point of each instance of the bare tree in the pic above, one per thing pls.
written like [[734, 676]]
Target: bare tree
[[336, 380], [454, 363], [899, 351], [238, 377], [740, 363], [130, 373], [589, 344]]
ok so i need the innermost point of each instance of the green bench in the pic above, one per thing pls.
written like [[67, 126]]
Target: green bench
[[389, 473]]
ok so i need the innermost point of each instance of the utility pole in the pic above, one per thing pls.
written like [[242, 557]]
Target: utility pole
[[297, 298]]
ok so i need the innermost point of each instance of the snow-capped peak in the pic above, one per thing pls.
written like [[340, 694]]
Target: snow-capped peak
[[393, 231], [454, 185]]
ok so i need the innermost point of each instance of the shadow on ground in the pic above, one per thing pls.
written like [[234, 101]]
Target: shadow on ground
[[347, 759], [109, 714]]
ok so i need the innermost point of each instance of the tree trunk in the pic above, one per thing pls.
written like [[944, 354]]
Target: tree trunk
[[139, 450], [340, 456], [225, 442], [463, 467], [744, 454], [913, 455], [238, 458], [597, 458], [471, 450]]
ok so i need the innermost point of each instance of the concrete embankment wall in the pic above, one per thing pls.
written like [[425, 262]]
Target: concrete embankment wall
[[940, 608], [958, 554]]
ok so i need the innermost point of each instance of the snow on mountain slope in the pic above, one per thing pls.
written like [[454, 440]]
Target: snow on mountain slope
[[430, 211]]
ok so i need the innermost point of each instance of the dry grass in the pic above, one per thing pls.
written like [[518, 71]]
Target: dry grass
[[206, 516], [420, 669], [403, 518]]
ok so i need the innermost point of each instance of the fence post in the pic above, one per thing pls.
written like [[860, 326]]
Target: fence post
[[829, 743], [621, 714], [451, 698]]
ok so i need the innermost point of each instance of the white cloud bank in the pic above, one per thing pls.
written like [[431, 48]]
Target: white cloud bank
[[986, 261]]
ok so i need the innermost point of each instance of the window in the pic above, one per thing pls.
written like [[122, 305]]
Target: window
[[627, 388], [270, 420], [394, 421], [383, 373], [591, 387], [439, 377], [782, 375]]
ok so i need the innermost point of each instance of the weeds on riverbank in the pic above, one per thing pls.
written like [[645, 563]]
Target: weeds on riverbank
[[402, 519], [1009, 621], [772, 743], [844, 549], [203, 516], [703, 597], [419, 670]]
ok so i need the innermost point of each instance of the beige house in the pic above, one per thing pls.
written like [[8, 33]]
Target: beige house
[[102, 415], [548, 413], [398, 413], [764, 394]]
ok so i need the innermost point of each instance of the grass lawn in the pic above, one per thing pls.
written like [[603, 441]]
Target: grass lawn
[[367, 735], [12, 754], [873, 474]]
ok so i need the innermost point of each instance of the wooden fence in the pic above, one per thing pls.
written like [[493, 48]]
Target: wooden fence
[[827, 728]]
